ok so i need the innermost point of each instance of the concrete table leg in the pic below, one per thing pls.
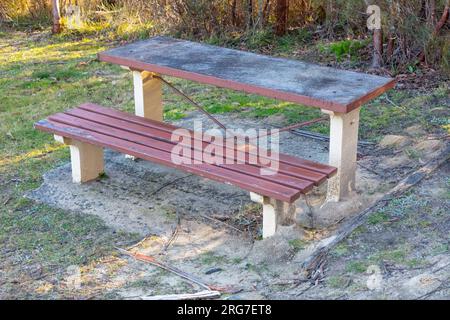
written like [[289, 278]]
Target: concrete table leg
[[343, 150], [147, 95]]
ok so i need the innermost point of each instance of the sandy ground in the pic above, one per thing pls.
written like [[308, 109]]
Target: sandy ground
[[208, 229]]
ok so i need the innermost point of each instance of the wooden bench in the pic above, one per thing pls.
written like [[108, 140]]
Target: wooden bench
[[90, 128], [338, 93]]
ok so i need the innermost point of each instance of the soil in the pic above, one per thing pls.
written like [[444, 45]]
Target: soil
[[201, 226]]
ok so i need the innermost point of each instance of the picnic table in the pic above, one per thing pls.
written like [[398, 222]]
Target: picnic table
[[339, 93]]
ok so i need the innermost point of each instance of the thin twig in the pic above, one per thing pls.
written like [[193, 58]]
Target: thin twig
[[443, 137], [304, 290], [370, 170], [174, 234], [322, 137], [222, 222], [169, 183], [176, 271], [6, 201], [139, 242], [157, 263], [206, 294], [394, 104]]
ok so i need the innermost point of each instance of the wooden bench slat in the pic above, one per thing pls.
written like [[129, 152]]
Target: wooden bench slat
[[243, 181], [284, 168], [284, 158], [105, 128]]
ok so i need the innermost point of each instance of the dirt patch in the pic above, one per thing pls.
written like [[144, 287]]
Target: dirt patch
[[191, 223], [137, 196]]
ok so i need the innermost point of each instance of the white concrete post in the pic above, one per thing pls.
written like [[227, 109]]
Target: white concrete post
[[275, 213], [147, 95], [86, 159], [343, 151]]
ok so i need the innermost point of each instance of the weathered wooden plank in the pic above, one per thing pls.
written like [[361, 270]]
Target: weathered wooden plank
[[90, 125], [243, 181], [284, 79], [283, 158], [156, 132]]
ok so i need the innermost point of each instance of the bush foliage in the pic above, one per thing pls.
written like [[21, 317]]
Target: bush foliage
[[407, 25]]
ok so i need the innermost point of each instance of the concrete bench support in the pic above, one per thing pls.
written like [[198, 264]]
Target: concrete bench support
[[147, 95], [86, 159], [343, 150], [275, 213]]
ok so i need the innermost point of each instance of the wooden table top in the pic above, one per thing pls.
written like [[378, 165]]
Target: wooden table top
[[284, 79]]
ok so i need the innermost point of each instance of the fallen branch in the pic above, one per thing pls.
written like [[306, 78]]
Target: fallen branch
[[207, 294], [442, 137], [139, 243], [443, 286], [157, 263], [371, 170], [317, 257]]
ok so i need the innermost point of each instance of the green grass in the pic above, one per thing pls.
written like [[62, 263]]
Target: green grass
[[43, 236], [298, 244], [377, 218], [398, 255], [344, 48], [41, 75], [210, 258], [356, 267], [54, 237], [340, 250], [39, 78], [337, 282]]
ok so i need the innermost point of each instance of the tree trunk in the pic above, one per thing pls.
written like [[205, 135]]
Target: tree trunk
[[56, 17], [266, 12], [377, 61], [390, 47], [281, 10], [431, 14], [233, 12], [260, 13], [249, 14], [442, 21]]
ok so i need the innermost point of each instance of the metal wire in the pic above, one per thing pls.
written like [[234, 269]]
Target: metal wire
[[179, 92], [295, 126], [199, 107]]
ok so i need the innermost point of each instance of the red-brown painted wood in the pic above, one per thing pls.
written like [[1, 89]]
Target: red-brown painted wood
[[156, 132], [243, 181], [279, 78], [287, 159], [152, 142]]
